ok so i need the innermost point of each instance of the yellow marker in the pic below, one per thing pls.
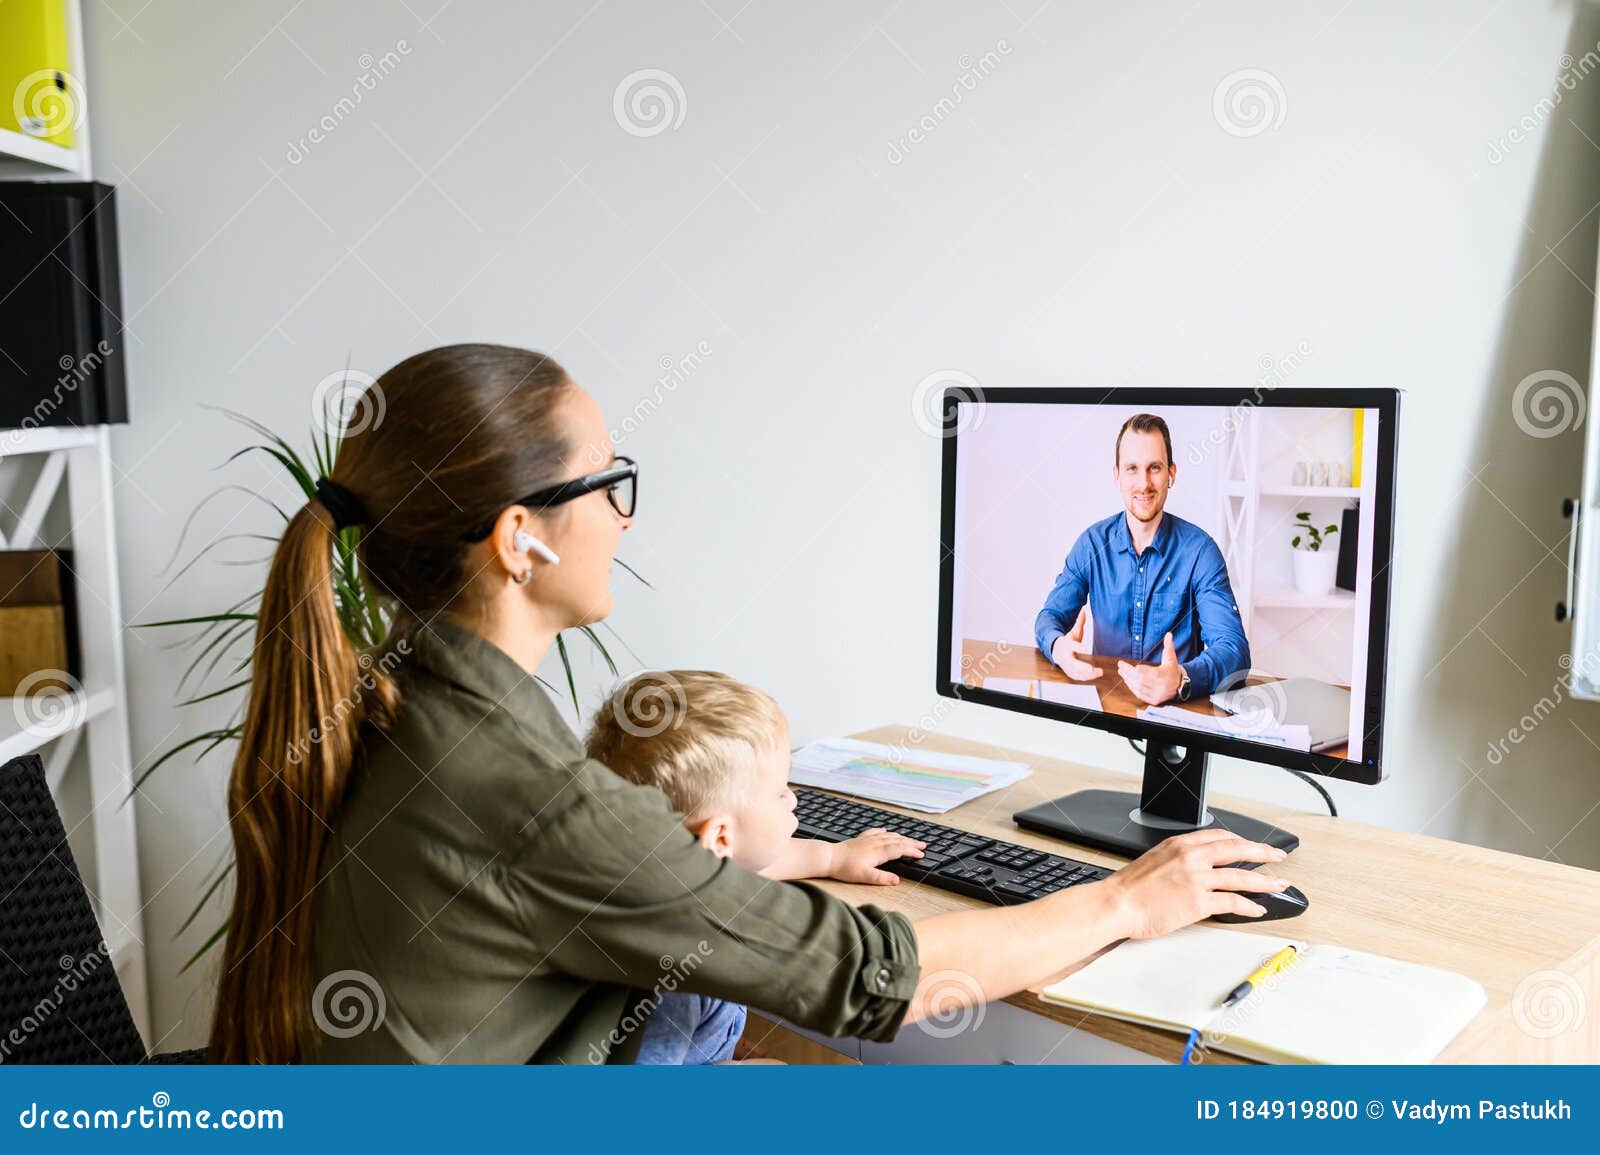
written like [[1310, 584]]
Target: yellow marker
[[1275, 964]]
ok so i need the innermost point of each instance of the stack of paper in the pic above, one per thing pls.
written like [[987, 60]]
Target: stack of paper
[[1294, 737], [916, 779], [1074, 694], [1021, 687]]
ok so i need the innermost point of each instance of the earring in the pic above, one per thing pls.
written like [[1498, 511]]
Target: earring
[[522, 578]]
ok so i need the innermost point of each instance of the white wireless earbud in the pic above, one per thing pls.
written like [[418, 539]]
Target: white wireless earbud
[[530, 544]]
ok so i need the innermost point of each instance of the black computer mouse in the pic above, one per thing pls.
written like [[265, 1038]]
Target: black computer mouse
[[1288, 903]]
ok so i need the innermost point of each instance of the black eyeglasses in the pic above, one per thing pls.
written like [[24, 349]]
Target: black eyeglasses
[[620, 480]]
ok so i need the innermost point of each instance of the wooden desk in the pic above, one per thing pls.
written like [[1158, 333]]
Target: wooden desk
[[1504, 920], [984, 659]]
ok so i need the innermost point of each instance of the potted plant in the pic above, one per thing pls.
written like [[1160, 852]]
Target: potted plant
[[1314, 567]]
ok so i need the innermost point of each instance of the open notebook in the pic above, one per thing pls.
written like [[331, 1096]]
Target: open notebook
[[1331, 1006]]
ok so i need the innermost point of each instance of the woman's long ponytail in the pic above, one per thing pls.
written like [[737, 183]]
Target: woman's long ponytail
[[310, 692]]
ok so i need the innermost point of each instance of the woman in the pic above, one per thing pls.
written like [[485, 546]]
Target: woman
[[423, 822]]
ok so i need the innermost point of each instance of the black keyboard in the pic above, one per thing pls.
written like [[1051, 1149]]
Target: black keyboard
[[954, 860]]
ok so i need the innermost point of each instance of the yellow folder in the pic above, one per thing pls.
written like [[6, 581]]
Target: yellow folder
[[41, 97]]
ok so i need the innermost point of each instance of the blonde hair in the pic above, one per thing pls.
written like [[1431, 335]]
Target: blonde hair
[[693, 734]]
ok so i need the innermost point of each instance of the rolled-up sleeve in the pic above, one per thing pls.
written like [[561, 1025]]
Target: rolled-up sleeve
[[614, 889]]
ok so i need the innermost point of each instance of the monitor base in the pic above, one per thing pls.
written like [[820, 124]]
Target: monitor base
[[1111, 820], [1171, 800]]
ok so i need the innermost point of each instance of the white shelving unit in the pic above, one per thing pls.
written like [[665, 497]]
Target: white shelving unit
[[25, 156], [86, 731], [1259, 503], [76, 468]]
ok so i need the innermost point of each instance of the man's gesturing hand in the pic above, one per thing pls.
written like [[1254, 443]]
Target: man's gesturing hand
[[1154, 684], [1062, 652]]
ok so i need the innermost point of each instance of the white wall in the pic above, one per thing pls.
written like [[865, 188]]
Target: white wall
[[1080, 216]]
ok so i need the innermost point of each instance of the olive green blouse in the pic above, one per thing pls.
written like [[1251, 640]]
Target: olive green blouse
[[492, 896]]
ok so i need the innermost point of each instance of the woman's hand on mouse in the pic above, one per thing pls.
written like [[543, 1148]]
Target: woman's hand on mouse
[[1184, 880]]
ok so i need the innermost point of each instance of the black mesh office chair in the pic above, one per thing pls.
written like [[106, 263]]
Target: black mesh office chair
[[60, 1001]]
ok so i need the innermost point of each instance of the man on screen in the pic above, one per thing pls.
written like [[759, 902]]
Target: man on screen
[[1158, 585]]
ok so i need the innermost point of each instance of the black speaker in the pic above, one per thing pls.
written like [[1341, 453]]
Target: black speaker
[[61, 332], [1349, 542]]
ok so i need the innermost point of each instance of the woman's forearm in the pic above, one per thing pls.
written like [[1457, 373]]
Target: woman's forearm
[[1010, 948]]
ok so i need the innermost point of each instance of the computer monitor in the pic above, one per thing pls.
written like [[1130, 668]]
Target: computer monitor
[[1206, 569]]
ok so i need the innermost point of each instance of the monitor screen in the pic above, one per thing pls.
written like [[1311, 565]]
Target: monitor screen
[[1201, 560]]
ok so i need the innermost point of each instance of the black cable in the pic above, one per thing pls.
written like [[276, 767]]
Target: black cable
[[1333, 811]]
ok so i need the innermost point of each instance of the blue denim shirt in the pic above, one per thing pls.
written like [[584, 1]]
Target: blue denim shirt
[[1179, 584]]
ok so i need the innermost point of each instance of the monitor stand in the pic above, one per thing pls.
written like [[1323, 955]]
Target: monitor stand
[[1172, 801]]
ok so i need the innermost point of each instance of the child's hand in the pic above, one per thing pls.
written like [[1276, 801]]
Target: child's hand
[[857, 859]]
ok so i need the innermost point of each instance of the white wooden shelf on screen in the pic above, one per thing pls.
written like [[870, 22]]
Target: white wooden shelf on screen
[[1235, 488], [1287, 597], [1258, 508]]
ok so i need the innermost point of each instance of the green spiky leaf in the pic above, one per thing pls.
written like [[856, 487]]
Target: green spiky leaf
[[216, 937]]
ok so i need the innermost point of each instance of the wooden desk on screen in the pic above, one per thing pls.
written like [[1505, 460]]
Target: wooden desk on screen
[[1509, 922], [983, 659]]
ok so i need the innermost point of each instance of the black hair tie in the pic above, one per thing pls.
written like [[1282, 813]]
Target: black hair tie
[[345, 506]]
